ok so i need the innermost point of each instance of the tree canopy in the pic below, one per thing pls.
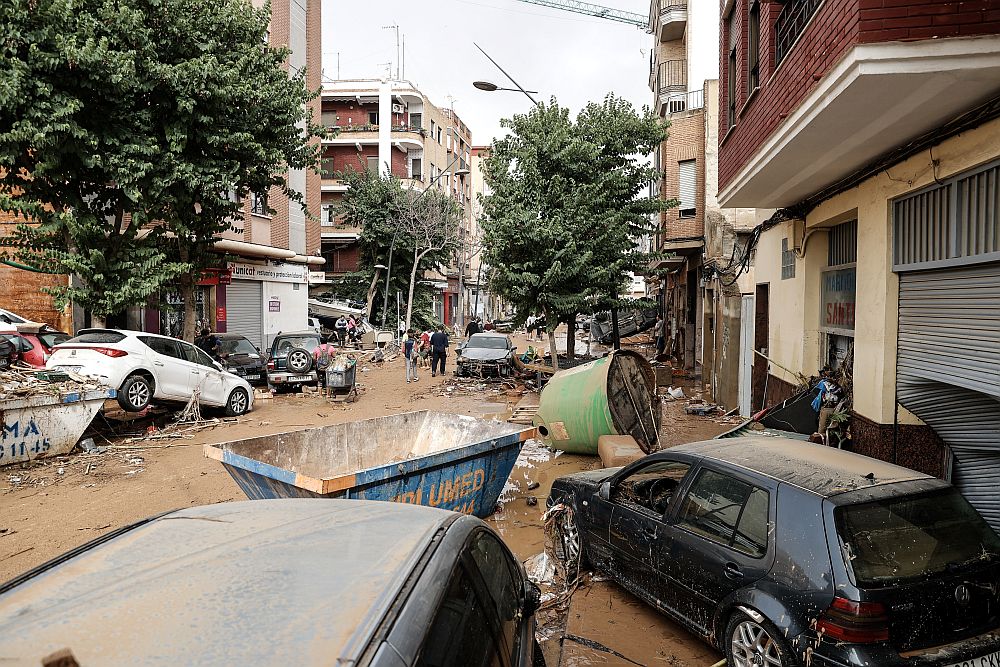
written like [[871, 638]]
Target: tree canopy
[[131, 130], [569, 204]]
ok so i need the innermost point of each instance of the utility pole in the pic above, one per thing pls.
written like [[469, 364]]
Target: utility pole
[[396, 28]]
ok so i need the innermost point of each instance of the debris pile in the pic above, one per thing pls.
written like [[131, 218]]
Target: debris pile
[[22, 384]]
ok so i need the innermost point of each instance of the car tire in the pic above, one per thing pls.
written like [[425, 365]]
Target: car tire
[[537, 657], [571, 541], [135, 393], [238, 403], [749, 642], [298, 361]]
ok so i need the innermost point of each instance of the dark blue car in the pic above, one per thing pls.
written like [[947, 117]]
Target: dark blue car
[[780, 553]]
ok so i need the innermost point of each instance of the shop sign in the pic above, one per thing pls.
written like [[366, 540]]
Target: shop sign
[[220, 314], [274, 306], [225, 277], [838, 299], [278, 273]]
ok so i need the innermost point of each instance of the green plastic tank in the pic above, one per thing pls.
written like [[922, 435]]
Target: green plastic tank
[[613, 395]]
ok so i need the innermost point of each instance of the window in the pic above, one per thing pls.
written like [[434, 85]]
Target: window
[[258, 204], [753, 47], [98, 337], [329, 215], [787, 260], [328, 118], [731, 70], [460, 635], [196, 356], [373, 117], [416, 168], [416, 120], [164, 346], [651, 487], [687, 188], [371, 163], [503, 583], [327, 169], [728, 511], [439, 135]]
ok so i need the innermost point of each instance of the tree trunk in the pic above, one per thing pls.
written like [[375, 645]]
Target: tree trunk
[[615, 335], [187, 287], [413, 283], [571, 337], [98, 321], [371, 296], [551, 330]]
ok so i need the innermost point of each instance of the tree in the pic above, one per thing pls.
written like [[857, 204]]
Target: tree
[[136, 129], [568, 208]]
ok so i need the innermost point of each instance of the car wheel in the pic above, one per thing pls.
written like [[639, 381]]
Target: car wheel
[[238, 403], [570, 541], [299, 361], [750, 643], [135, 393]]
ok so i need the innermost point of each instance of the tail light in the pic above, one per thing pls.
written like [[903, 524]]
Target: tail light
[[110, 352], [270, 364], [855, 622]]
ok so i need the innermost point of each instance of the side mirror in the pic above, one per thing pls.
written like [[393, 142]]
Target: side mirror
[[258, 349], [532, 598], [605, 491], [218, 366]]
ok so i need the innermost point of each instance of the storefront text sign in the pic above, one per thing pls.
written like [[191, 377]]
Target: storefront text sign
[[280, 273], [274, 306], [220, 314], [838, 304]]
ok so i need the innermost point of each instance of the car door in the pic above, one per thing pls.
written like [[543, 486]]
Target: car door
[[502, 586], [204, 375], [722, 542], [170, 370], [640, 499]]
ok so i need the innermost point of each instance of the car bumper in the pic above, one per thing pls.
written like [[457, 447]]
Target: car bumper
[[253, 376], [292, 378], [484, 368], [979, 651]]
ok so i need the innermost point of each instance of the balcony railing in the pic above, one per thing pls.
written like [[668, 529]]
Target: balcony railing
[[792, 20], [681, 102], [667, 18], [370, 127], [672, 75]]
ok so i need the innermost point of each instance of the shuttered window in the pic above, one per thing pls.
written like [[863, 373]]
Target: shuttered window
[[843, 246], [687, 185]]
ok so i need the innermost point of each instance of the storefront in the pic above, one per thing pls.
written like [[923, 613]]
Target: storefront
[[264, 299]]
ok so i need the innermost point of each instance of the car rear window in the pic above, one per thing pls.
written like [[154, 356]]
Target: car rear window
[[53, 338], [98, 337], [910, 537], [284, 345], [234, 346]]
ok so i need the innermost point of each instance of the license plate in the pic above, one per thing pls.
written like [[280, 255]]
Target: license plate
[[991, 660], [299, 378], [251, 377], [74, 369]]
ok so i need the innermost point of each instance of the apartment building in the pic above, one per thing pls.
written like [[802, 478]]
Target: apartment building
[[873, 128], [702, 309], [421, 144]]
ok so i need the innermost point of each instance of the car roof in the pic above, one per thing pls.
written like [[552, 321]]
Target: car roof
[[488, 334], [302, 332], [299, 581], [229, 335], [825, 471]]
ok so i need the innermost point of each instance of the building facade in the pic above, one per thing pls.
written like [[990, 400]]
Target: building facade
[[699, 293], [873, 129], [422, 145]]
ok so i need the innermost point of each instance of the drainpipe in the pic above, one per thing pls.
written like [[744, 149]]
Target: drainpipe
[[23, 267]]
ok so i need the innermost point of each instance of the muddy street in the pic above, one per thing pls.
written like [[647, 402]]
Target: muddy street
[[53, 505]]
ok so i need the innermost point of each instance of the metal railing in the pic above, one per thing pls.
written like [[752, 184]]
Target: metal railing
[[681, 102], [792, 20], [672, 75], [660, 7]]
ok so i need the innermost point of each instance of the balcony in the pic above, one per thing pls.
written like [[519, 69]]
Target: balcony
[[404, 136], [668, 19], [674, 103]]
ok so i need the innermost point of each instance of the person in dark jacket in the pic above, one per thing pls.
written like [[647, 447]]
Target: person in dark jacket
[[439, 350], [208, 342], [473, 328]]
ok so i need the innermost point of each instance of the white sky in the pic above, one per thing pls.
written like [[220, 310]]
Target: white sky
[[576, 58]]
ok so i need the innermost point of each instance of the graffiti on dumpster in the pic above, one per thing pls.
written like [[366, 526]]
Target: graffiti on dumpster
[[449, 494], [22, 438]]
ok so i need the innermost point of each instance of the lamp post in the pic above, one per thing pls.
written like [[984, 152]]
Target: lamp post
[[490, 87], [395, 235]]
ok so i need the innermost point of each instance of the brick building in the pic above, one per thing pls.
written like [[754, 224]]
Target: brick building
[[421, 144], [873, 127]]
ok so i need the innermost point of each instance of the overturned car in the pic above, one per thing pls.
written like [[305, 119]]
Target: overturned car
[[485, 355]]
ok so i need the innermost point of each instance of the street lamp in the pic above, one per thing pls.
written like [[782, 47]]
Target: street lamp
[[395, 235], [490, 87]]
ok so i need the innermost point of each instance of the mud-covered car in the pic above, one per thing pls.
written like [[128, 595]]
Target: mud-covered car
[[785, 553], [290, 362], [239, 356], [485, 355], [281, 582]]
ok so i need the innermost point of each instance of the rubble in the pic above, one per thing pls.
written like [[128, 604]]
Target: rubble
[[21, 384]]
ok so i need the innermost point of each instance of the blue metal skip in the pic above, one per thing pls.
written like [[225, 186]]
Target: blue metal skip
[[424, 458]]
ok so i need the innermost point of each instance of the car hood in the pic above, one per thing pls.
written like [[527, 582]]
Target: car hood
[[484, 354], [590, 476], [244, 360]]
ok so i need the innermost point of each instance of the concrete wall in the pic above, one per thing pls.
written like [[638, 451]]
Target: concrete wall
[[293, 315]]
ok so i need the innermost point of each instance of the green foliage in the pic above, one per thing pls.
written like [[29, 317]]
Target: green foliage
[[117, 116], [569, 205]]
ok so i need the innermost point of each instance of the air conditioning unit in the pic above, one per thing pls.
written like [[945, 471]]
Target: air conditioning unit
[[398, 108]]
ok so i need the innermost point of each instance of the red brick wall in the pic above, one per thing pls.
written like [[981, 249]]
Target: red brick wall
[[21, 291], [343, 259], [344, 157], [837, 26], [352, 113], [686, 141]]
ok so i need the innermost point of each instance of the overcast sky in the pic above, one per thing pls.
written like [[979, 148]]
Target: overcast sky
[[573, 57]]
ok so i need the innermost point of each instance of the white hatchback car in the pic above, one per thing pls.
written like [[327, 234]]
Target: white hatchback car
[[144, 366]]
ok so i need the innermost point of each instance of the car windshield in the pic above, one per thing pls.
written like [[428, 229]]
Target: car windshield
[[98, 337], [234, 346], [284, 344], [487, 343], [910, 537]]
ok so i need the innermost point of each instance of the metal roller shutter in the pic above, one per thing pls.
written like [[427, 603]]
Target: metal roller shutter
[[948, 370], [244, 301], [687, 184]]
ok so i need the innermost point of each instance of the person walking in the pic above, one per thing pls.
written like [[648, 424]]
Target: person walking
[[424, 348], [473, 328], [340, 326], [352, 330], [410, 355], [661, 342], [208, 343], [439, 350], [323, 356]]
